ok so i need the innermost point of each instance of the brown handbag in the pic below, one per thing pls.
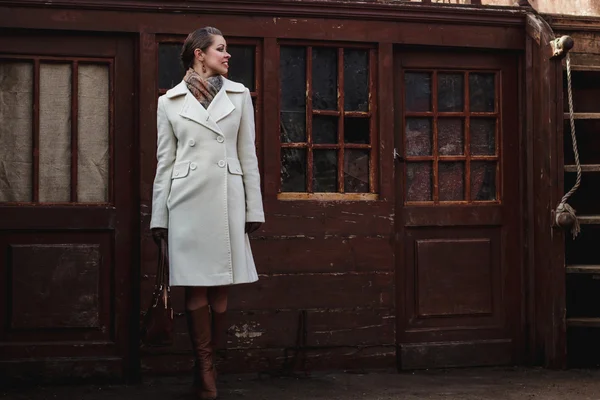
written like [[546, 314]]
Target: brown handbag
[[157, 325]]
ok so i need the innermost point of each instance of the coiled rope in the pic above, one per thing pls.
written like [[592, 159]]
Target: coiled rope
[[563, 206]]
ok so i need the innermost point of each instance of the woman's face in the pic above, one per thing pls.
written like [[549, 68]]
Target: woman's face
[[216, 58]]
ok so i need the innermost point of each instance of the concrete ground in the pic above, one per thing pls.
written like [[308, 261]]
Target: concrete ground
[[455, 384]]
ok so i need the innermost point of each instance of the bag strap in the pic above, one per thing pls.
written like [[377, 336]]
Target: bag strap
[[162, 273]]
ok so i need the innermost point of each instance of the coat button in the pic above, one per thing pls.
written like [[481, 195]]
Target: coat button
[[220, 139], [193, 166], [221, 163], [192, 142], [176, 173]]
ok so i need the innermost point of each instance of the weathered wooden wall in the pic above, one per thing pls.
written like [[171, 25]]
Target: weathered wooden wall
[[326, 297]]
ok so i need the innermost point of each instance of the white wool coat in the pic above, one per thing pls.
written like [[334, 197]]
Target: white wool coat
[[207, 185]]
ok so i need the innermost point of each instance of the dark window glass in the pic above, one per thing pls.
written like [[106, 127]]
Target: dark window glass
[[356, 80], [170, 71], [357, 130], [451, 181], [483, 137], [419, 136], [482, 88], [293, 170], [451, 92], [293, 127], [417, 87], [418, 181], [325, 171], [293, 94], [325, 129], [451, 140], [241, 65], [356, 171], [324, 78], [483, 180], [293, 78]]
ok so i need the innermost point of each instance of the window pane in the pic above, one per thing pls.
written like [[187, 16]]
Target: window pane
[[419, 136], [483, 136], [325, 171], [293, 94], [418, 181], [451, 89], [324, 78], [482, 90], [293, 170], [356, 171], [293, 78], [356, 80], [93, 134], [450, 136], [451, 181], [325, 129], [170, 71], [357, 130], [417, 87], [16, 144], [483, 180], [241, 65], [55, 133], [293, 127]]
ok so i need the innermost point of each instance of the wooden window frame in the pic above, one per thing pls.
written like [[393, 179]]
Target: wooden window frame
[[75, 63], [340, 146], [466, 115]]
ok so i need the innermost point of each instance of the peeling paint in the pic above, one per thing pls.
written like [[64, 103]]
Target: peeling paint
[[247, 331]]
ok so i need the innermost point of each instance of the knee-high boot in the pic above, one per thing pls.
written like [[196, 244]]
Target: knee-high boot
[[219, 328], [200, 327]]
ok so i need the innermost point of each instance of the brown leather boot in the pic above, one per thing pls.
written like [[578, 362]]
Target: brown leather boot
[[219, 340], [199, 325]]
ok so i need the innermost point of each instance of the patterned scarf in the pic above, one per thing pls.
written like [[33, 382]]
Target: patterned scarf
[[204, 90]]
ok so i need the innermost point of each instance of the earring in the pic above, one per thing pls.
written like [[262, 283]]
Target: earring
[[203, 68]]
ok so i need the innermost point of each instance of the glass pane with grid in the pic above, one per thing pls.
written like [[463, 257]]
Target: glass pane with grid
[[326, 120], [451, 137]]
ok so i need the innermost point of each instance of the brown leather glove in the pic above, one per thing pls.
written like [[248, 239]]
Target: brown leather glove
[[252, 226], [158, 234]]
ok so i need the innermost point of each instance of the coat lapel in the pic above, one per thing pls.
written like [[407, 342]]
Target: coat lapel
[[193, 110], [222, 105], [219, 108]]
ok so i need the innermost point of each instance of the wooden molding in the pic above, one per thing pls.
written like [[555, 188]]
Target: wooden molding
[[364, 10], [573, 22]]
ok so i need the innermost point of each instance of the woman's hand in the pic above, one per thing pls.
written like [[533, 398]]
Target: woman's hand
[[158, 234], [252, 226]]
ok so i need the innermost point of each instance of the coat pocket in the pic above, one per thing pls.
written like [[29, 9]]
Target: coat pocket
[[233, 164], [181, 170]]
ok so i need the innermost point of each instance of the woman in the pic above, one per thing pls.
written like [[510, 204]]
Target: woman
[[206, 192]]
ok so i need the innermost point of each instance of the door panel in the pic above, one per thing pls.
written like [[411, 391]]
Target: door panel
[[67, 207], [458, 255]]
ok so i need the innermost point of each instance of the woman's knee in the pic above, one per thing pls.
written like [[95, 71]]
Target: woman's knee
[[195, 297], [217, 297]]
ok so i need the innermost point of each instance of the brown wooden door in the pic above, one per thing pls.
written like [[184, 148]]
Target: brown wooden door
[[67, 202], [458, 246]]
